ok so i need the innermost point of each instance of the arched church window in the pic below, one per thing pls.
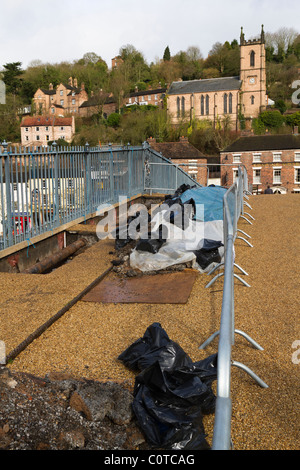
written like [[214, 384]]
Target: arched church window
[[207, 104], [202, 105], [225, 103], [178, 106], [252, 59], [230, 103], [182, 106]]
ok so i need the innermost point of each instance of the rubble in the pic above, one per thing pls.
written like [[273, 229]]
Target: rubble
[[59, 412]]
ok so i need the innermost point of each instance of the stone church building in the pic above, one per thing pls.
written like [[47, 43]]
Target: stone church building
[[241, 97]]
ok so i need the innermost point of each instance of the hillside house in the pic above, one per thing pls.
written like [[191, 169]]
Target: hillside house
[[61, 101], [101, 103], [154, 97], [39, 130], [183, 153], [270, 160]]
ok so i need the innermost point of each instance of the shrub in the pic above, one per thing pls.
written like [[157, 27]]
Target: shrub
[[113, 120], [272, 119]]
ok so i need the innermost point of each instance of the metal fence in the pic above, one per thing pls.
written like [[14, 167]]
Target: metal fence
[[44, 188], [233, 210]]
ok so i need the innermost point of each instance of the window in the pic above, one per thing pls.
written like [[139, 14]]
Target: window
[[202, 105], [52, 110], [252, 59], [47, 128], [193, 165], [178, 106], [47, 137], [277, 157], [155, 97], [257, 176], [237, 158], [277, 176], [207, 104], [252, 99], [149, 97], [37, 129], [182, 106], [73, 101], [230, 103], [62, 128], [61, 102], [27, 138], [61, 92], [26, 129], [235, 174], [256, 157], [297, 175], [297, 156], [37, 137], [225, 103]]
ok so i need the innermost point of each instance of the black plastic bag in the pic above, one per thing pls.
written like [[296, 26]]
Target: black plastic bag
[[209, 253], [122, 236], [154, 242], [180, 213], [171, 393]]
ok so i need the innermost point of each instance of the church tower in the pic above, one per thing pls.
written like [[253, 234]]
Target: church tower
[[253, 76]]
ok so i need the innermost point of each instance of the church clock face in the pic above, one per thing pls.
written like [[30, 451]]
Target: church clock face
[[252, 80]]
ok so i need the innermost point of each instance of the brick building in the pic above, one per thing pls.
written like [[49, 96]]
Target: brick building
[[39, 130], [270, 160], [183, 153], [101, 103], [155, 97], [61, 101], [238, 97]]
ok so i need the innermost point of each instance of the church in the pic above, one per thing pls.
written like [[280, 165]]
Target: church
[[240, 98]]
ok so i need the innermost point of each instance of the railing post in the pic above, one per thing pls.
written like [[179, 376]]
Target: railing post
[[9, 214], [88, 179], [147, 168], [129, 164], [56, 193], [111, 173]]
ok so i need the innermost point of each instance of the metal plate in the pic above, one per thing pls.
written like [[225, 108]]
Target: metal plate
[[173, 288]]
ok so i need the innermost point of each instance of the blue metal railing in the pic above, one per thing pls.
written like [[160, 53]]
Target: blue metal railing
[[42, 189]]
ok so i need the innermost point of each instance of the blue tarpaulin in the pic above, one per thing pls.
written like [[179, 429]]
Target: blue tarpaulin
[[208, 202]]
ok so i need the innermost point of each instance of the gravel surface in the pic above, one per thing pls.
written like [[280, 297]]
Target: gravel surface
[[87, 340]]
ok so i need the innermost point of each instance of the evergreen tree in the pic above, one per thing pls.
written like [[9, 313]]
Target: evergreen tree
[[167, 55]]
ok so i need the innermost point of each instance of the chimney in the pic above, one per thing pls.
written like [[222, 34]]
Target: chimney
[[71, 81], [75, 83], [82, 86], [50, 86]]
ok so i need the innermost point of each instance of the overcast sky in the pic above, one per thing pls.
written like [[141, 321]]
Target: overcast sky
[[64, 30]]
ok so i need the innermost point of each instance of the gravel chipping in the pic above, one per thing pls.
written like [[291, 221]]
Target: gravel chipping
[[88, 339]]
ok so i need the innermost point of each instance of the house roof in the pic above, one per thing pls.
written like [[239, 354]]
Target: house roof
[[97, 100], [40, 121], [157, 91], [264, 142], [177, 150], [48, 92], [204, 86]]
